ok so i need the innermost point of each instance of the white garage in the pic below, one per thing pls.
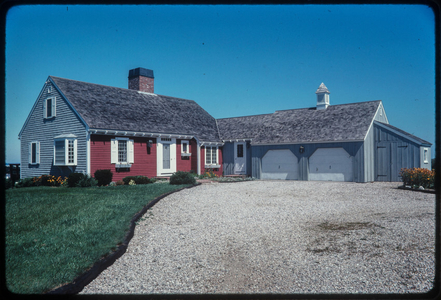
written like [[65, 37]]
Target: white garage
[[280, 164], [330, 164]]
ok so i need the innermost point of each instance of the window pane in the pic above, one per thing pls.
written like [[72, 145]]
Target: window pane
[[240, 150], [213, 155], [34, 153], [49, 107], [71, 152], [208, 155], [184, 147], [59, 152], [122, 151]]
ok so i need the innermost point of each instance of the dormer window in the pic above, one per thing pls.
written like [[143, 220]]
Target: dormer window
[[49, 108]]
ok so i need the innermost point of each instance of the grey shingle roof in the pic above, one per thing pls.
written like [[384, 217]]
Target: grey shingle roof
[[411, 136], [111, 108], [344, 122]]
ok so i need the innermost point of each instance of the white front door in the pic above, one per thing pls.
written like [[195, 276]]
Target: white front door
[[166, 156], [240, 158]]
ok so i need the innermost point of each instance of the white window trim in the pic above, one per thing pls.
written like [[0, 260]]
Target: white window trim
[[53, 108], [426, 155], [114, 152], [188, 153], [37, 154], [49, 89], [66, 151], [212, 165]]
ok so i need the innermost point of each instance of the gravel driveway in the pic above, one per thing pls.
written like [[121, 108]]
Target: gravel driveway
[[280, 237]]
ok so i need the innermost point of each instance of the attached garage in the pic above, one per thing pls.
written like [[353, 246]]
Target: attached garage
[[330, 164], [280, 164]]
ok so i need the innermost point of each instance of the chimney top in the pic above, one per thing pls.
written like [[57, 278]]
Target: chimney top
[[141, 72], [142, 80]]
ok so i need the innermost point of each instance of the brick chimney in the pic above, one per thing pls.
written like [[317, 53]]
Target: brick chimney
[[142, 80]]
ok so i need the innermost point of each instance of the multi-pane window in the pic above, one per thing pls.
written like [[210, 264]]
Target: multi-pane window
[[65, 152], [122, 151], [211, 155], [70, 151]]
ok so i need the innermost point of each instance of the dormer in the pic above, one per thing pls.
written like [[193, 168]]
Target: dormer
[[322, 97]]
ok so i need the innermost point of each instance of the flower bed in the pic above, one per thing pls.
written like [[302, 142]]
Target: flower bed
[[418, 177]]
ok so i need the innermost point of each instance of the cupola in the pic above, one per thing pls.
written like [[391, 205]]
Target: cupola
[[322, 97]]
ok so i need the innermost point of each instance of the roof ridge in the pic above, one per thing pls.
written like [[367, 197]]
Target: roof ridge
[[125, 89]]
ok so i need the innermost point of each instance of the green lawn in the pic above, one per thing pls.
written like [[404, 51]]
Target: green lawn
[[55, 234]]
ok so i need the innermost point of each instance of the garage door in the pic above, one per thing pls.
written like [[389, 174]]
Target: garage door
[[280, 164], [333, 164]]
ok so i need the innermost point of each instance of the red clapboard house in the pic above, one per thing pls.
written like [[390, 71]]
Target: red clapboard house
[[83, 127], [76, 126]]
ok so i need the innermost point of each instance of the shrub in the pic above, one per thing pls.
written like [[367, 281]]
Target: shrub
[[181, 177], [8, 183], [104, 177], [87, 181], [417, 177], [142, 180], [25, 182], [74, 178], [119, 182], [136, 179]]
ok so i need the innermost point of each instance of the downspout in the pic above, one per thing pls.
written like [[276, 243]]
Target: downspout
[[198, 156], [88, 153]]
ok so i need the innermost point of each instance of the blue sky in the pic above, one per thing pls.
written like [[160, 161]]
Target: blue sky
[[232, 60]]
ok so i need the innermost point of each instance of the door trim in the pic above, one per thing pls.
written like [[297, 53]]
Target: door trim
[[244, 158], [159, 156]]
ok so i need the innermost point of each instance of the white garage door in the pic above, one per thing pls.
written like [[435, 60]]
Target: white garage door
[[333, 164], [280, 164]]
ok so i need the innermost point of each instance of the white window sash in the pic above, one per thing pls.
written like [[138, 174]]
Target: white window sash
[[211, 155]]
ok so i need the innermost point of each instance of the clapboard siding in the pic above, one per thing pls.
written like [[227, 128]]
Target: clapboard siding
[[44, 130], [353, 148], [144, 158], [228, 158]]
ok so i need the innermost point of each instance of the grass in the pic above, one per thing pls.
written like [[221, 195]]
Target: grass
[[54, 234]]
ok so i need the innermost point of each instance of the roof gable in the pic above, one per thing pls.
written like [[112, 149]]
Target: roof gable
[[403, 133], [346, 122], [112, 108]]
